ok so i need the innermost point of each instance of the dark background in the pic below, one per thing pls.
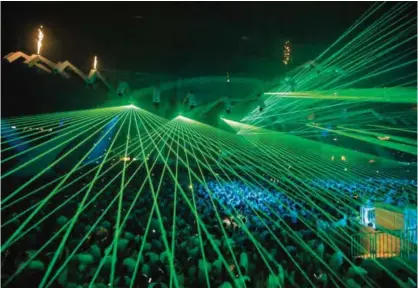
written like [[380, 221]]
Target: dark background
[[159, 38]]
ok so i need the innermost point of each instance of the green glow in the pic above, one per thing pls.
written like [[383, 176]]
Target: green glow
[[329, 126]]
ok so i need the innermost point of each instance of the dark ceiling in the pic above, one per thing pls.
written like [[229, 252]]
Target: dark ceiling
[[176, 37], [144, 41]]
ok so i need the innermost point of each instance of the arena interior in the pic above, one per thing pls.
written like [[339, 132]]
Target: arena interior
[[171, 144]]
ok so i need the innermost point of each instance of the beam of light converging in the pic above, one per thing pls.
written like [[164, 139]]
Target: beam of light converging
[[397, 95], [7, 243], [199, 221], [208, 190], [122, 197], [195, 146], [124, 221], [371, 54], [381, 141], [58, 251], [116, 151], [383, 137]]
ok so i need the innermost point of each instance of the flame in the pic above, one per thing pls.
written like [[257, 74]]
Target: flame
[[287, 52], [40, 38], [95, 63]]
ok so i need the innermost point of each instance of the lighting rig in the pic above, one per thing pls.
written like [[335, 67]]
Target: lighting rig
[[191, 100], [123, 89], [156, 95], [228, 105]]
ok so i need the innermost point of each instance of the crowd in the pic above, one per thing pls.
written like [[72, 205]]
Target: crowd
[[250, 236], [398, 192], [247, 198]]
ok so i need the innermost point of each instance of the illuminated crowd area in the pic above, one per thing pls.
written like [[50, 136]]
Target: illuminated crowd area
[[310, 181], [120, 191]]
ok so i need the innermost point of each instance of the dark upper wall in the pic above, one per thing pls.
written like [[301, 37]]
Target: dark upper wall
[[27, 91], [176, 38]]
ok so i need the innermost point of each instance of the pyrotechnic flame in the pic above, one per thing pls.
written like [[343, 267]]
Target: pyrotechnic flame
[[95, 63], [40, 38], [286, 55]]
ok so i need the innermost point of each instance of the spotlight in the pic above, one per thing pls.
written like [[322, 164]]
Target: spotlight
[[132, 106], [123, 89], [180, 117], [228, 105], [191, 99], [156, 96]]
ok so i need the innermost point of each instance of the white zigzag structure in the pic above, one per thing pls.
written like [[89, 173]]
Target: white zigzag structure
[[57, 68]]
